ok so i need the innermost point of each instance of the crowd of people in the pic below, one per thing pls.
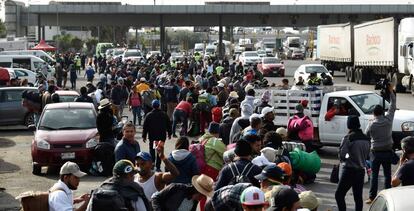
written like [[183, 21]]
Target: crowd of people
[[238, 158]]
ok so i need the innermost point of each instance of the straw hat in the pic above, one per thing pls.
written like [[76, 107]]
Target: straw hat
[[203, 184]]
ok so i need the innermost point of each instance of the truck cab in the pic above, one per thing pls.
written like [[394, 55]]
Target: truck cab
[[362, 104], [351, 102]]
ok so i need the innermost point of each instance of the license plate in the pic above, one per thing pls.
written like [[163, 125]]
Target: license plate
[[67, 155]]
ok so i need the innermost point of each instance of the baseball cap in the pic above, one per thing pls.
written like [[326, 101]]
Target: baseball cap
[[124, 167], [252, 196], [286, 167], [299, 108], [71, 168], [281, 131], [265, 111], [281, 197], [155, 103], [309, 200], [145, 156], [272, 173]]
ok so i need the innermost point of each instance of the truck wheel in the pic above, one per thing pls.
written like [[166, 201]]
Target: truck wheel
[[364, 76], [36, 169], [396, 81], [347, 74], [357, 75], [412, 85], [352, 70]]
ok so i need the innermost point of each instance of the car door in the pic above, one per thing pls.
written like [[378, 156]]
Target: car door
[[11, 109], [334, 130]]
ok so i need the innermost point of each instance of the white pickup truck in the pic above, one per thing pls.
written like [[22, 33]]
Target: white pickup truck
[[331, 132]]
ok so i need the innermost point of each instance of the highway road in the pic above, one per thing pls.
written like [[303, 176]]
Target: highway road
[[16, 176]]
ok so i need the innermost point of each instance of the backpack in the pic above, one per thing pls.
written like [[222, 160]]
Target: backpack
[[148, 96], [35, 201], [107, 198], [203, 104], [303, 126], [197, 150], [135, 100], [240, 177]]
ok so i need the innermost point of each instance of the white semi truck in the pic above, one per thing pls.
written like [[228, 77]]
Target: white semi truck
[[370, 51]]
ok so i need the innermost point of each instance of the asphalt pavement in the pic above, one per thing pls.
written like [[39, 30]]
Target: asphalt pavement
[[15, 158]]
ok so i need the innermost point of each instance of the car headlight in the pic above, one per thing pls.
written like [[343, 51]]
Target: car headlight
[[42, 144], [91, 143], [407, 126]]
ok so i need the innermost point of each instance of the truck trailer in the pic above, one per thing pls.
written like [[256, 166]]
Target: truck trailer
[[370, 51]]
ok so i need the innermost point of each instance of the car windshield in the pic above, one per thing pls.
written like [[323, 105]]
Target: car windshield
[[251, 54], [270, 61], [270, 45], [67, 98], [316, 69], [118, 52], [132, 53], [68, 118], [367, 102], [261, 52], [210, 50]]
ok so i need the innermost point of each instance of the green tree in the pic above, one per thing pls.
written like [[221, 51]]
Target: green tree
[[76, 43], [3, 31], [90, 45]]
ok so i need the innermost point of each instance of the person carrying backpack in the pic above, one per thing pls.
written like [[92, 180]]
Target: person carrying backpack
[[241, 122], [135, 104], [147, 97], [240, 171], [300, 128], [61, 195], [120, 192]]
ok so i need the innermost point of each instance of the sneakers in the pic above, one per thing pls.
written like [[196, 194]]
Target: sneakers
[[369, 201]]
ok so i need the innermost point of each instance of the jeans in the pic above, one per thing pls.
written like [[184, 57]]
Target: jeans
[[73, 84], [153, 154], [180, 116], [170, 109], [350, 178], [136, 112], [378, 159]]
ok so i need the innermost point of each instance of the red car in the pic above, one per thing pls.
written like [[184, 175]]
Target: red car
[[65, 131], [271, 66]]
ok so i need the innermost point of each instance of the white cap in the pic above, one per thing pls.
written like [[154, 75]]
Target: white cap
[[220, 85], [71, 168], [281, 131], [142, 79], [252, 196], [248, 87], [266, 110]]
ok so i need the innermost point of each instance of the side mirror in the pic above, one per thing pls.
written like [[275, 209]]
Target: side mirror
[[32, 127]]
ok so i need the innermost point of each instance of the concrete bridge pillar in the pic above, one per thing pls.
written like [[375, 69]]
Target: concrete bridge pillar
[[162, 35], [220, 46]]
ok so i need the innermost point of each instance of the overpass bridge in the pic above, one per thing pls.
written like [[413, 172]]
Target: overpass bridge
[[19, 17]]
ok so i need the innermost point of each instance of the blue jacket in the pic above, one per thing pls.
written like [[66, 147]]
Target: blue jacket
[[125, 150], [186, 165]]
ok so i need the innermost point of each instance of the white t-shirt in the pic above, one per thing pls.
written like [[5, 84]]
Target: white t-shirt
[[139, 205], [60, 200]]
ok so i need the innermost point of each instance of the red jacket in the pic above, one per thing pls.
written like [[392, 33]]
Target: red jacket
[[185, 106]]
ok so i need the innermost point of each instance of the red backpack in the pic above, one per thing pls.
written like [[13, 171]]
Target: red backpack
[[135, 100], [303, 126], [197, 150]]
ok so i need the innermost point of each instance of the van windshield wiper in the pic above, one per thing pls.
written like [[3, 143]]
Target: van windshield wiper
[[46, 127]]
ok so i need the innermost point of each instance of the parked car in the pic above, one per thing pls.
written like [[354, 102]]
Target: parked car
[[177, 56], [65, 132], [262, 53], [271, 66], [152, 54], [249, 58], [297, 54], [11, 110], [25, 74], [394, 199], [117, 52], [132, 54], [306, 69], [67, 95]]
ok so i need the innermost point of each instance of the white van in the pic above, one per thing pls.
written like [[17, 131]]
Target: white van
[[38, 53], [29, 62]]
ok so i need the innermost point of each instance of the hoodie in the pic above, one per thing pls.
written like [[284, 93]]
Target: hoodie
[[225, 128], [247, 111], [186, 165], [354, 150], [380, 129], [248, 100]]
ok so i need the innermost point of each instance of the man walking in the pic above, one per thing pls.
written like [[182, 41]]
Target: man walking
[[128, 147], [156, 125], [380, 132]]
